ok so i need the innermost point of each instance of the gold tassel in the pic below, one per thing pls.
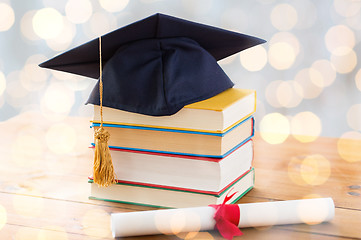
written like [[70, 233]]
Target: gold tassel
[[103, 170], [103, 165]]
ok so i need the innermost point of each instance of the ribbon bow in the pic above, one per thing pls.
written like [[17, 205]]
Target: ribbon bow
[[227, 218]]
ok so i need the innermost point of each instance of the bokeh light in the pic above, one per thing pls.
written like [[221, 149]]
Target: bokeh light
[[26, 26], [281, 55], [32, 77], [293, 170], [347, 8], [58, 98], [2, 83], [289, 94], [7, 17], [340, 39], [311, 170], [181, 219], [274, 128], [357, 80], [113, 5], [306, 211], [344, 60], [315, 169], [354, 117], [48, 23], [311, 81], [99, 228], [78, 11], [284, 17], [3, 217], [27, 150], [254, 59], [176, 222], [28, 206], [162, 222], [306, 126], [286, 37], [271, 93], [349, 145], [327, 71], [66, 35], [61, 138]]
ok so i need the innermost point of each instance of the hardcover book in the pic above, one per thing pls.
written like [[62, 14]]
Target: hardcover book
[[181, 142], [216, 114], [181, 171], [155, 196]]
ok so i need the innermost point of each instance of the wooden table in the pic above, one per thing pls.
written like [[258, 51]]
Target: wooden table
[[44, 191]]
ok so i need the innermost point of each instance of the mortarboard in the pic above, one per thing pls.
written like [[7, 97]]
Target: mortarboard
[[154, 66], [157, 65]]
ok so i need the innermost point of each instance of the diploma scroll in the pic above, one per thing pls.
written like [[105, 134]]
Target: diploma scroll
[[173, 221]]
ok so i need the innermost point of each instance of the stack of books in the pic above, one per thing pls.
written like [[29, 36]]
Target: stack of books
[[192, 158]]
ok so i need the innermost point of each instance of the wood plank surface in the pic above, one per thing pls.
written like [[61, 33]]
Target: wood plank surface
[[44, 191]]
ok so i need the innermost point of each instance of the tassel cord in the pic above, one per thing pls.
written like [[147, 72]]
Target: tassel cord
[[103, 170]]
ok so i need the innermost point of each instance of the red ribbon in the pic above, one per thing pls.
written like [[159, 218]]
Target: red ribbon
[[227, 218]]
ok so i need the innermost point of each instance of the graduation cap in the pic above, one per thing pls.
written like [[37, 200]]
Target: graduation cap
[[157, 65], [154, 66]]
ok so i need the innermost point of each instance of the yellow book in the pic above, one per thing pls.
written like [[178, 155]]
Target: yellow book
[[223, 100], [216, 114]]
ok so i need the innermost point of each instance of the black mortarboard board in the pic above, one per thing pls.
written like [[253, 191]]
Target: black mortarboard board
[[157, 65]]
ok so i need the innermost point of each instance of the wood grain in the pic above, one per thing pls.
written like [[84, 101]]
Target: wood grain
[[44, 190]]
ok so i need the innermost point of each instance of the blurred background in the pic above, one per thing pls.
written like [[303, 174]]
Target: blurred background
[[307, 75]]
